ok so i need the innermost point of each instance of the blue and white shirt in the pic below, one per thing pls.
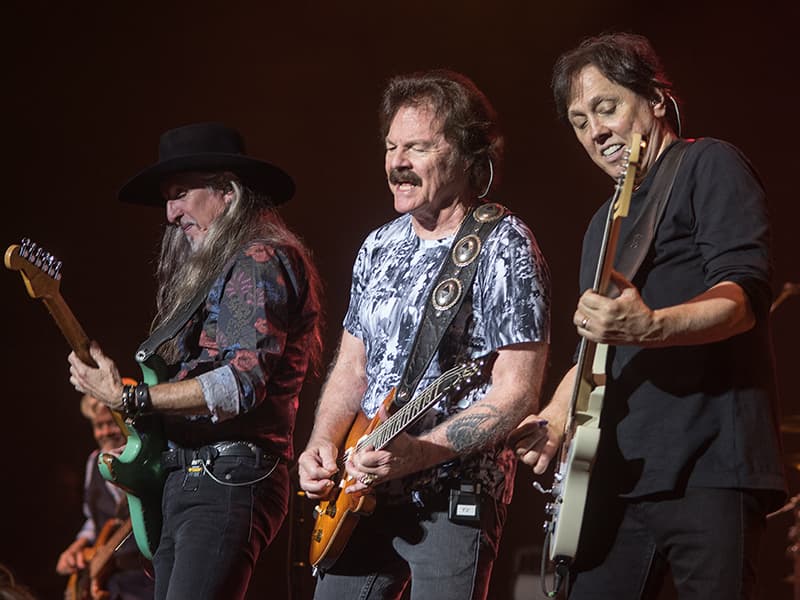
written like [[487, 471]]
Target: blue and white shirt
[[509, 303]]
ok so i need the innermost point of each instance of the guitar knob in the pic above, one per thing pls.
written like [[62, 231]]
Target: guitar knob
[[317, 510]]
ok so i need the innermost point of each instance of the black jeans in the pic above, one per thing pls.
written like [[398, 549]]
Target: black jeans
[[708, 537], [213, 534]]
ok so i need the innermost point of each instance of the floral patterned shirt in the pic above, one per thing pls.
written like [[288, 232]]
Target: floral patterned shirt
[[253, 327], [508, 303]]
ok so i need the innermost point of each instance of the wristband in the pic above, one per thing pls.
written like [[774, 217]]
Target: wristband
[[144, 404], [128, 399]]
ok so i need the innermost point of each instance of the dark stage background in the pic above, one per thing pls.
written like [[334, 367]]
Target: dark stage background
[[90, 86]]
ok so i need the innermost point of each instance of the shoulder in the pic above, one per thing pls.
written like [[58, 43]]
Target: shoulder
[[263, 260], [513, 228], [717, 163], [719, 153], [512, 240]]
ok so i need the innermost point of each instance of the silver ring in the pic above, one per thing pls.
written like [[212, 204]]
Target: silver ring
[[368, 479], [584, 322]]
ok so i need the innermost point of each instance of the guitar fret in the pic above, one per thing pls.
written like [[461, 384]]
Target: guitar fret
[[389, 429]]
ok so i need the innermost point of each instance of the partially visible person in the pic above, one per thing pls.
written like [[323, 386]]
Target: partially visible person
[[689, 459], [104, 502], [236, 365]]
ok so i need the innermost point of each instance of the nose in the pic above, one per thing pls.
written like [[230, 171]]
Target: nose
[[599, 132], [398, 159], [174, 210]]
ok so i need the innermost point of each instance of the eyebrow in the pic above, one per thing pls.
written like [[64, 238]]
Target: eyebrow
[[414, 142], [592, 105]]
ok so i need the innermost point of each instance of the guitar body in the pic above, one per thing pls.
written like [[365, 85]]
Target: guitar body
[[337, 517], [79, 585], [573, 474], [138, 471]]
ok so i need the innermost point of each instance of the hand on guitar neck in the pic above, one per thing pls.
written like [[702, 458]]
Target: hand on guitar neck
[[616, 319]]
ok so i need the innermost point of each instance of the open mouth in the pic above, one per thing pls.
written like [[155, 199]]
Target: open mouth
[[612, 150]]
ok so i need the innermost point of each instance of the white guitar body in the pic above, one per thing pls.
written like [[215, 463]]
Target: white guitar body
[[571, 480]]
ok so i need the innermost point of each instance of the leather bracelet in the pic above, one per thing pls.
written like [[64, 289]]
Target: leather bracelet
[[128, 399], [144, 404]]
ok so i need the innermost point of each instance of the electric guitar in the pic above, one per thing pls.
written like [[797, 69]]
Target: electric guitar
[[582, 429], [138, 469], [337, 517], [99, 567]]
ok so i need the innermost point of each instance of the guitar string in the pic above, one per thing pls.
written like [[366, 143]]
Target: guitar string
[[408, 410]]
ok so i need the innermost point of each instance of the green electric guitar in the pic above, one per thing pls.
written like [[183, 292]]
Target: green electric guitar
[[138, 469]]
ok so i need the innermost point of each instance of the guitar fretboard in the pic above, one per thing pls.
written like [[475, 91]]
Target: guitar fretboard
[[449, 382]]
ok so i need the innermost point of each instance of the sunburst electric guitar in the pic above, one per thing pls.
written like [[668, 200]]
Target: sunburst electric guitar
[[138, 469], [337, 517], [87, 584], [582, 430]]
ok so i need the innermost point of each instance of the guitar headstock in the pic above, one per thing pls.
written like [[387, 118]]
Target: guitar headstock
[[626, 180], [40, 270]]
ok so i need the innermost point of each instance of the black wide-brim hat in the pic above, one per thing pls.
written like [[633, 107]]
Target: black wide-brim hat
[[206, 147]]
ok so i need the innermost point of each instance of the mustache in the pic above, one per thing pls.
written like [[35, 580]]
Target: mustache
[[398, 176]]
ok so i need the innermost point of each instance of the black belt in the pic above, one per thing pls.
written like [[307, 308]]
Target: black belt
[[179, 458]]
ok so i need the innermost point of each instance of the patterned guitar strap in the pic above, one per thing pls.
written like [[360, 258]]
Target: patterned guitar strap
[[448, 292]]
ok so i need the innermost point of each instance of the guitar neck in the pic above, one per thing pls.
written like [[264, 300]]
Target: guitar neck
[[588, 374], [403, 418], [69, 326], [414, 409], [103, 554]]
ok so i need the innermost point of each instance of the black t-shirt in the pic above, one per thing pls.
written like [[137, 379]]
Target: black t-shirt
[[697, 416]]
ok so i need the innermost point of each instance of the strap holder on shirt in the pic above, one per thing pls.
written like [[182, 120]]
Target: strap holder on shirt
[[448, 292]]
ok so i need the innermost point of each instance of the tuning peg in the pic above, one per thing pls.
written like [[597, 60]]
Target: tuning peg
[[57, 270]]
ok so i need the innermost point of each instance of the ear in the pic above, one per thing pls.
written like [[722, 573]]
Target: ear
[[659, 104]]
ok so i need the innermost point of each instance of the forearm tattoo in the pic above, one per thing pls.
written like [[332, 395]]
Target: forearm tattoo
[[476, 430]]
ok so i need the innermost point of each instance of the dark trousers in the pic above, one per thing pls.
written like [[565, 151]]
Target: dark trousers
[[708, 537], [213, 534], [399, 545]]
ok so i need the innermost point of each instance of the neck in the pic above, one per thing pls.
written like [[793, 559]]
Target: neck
[[656, 145], [441, 224]]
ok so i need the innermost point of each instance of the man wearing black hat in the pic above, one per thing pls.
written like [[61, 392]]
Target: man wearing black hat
[[236, 365]]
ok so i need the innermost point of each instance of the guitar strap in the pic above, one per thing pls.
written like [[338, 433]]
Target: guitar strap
[[170, 329], [638, 241], [448, 293]]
